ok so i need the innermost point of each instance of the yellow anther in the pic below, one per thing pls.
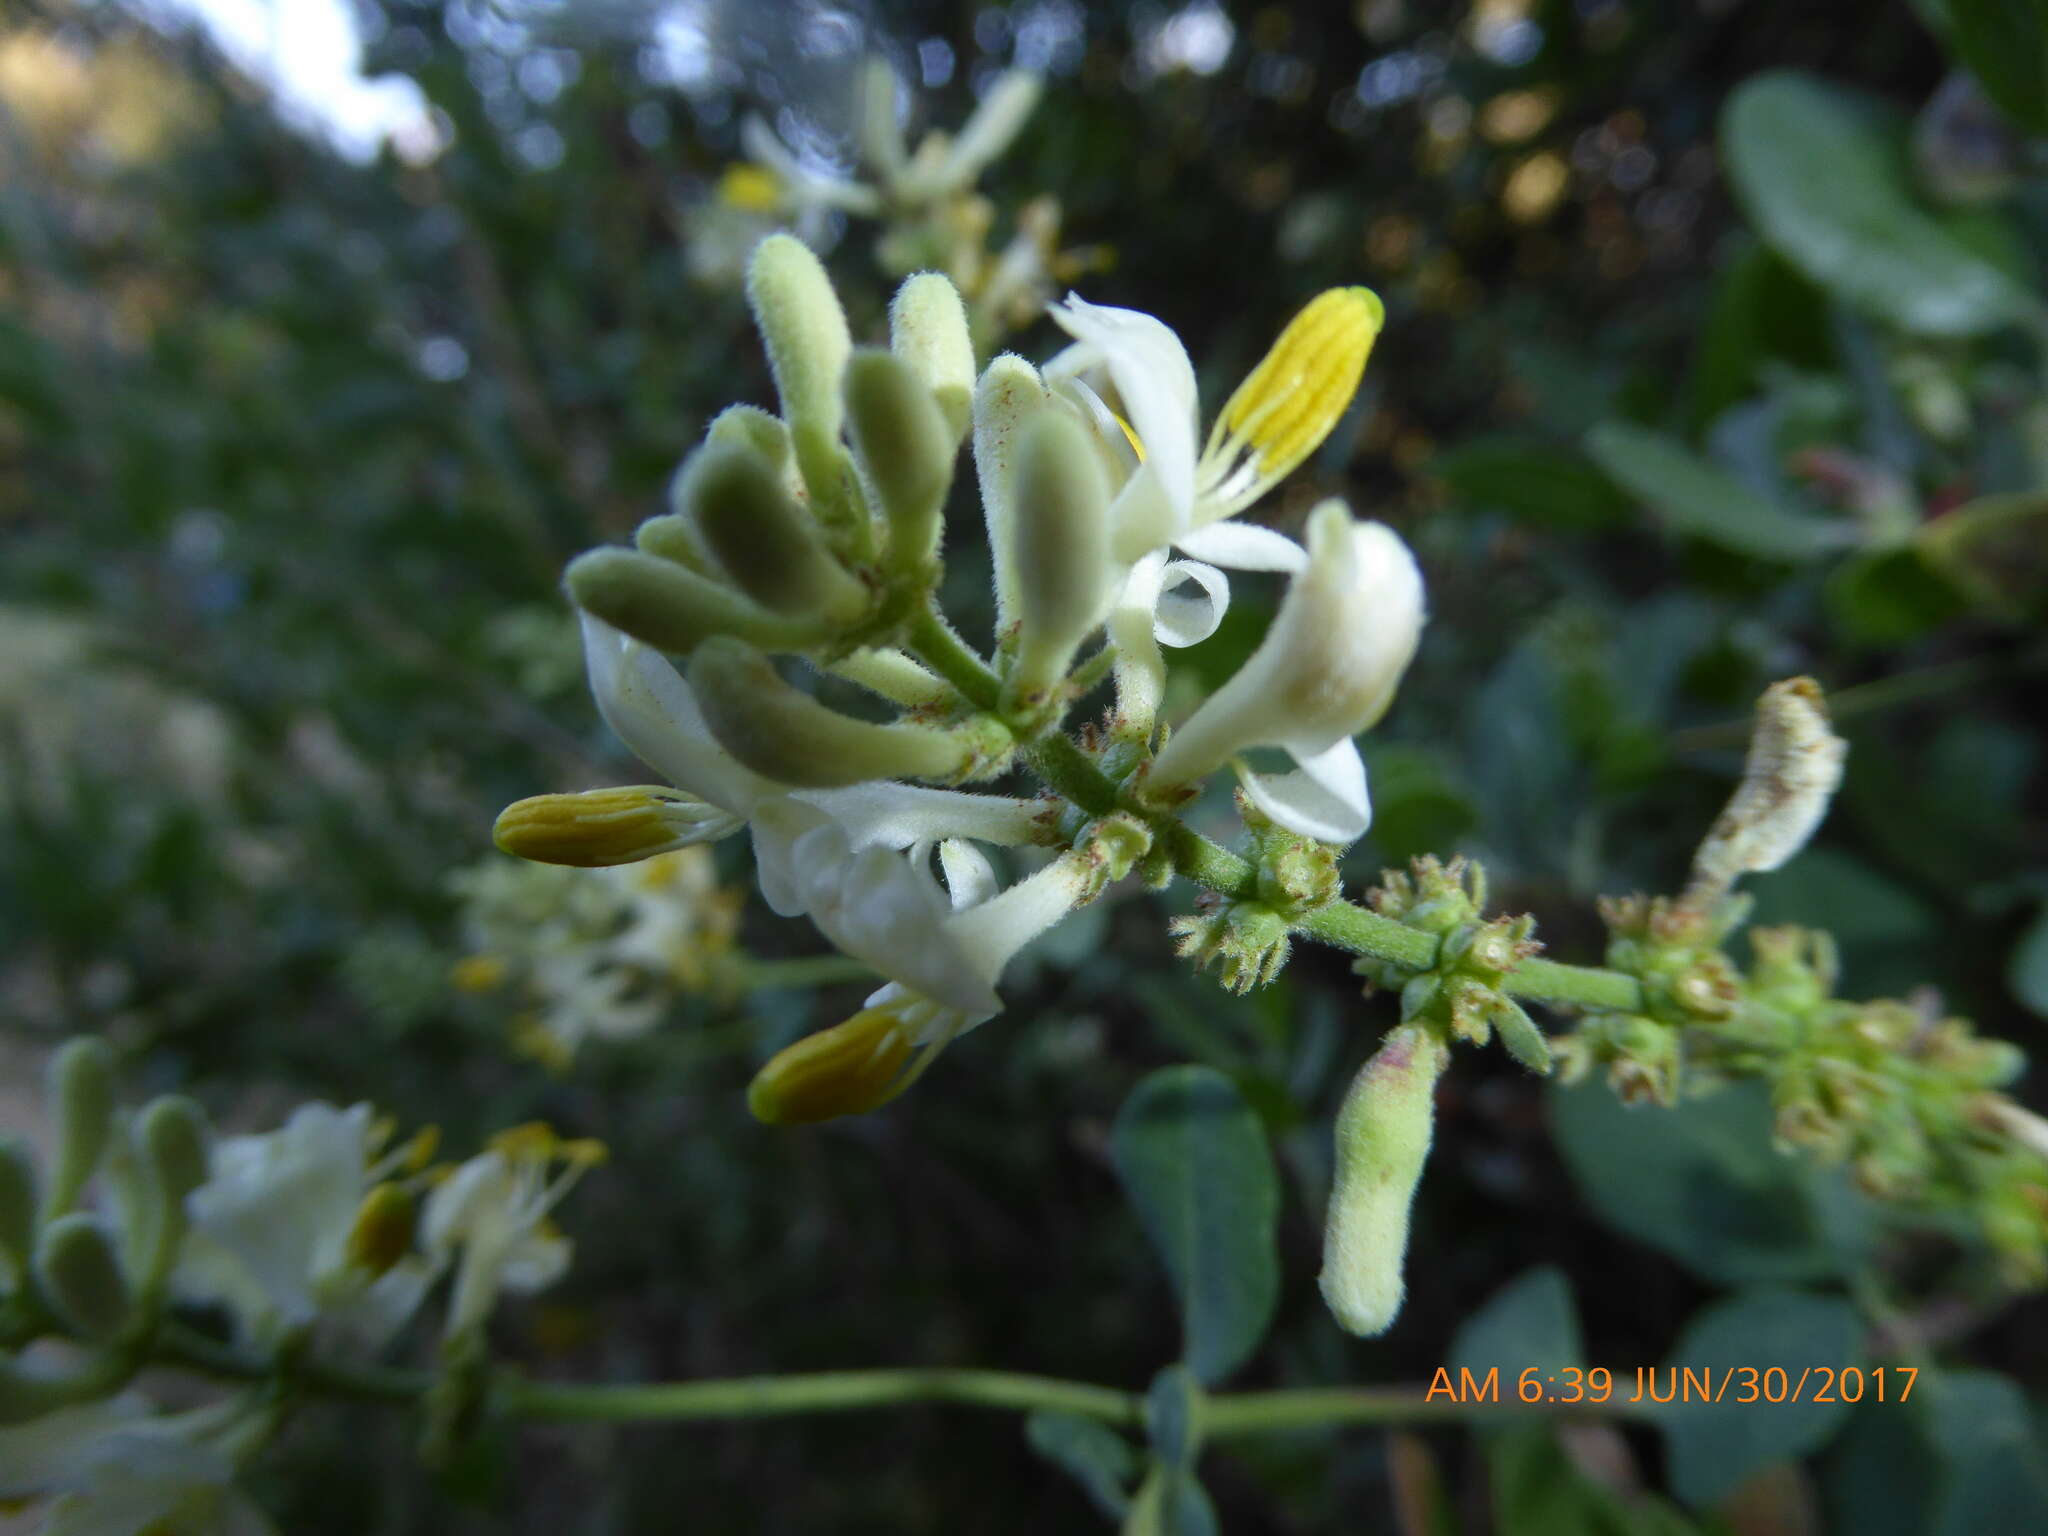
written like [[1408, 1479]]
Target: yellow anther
[[750, 188], [382, 1232], [1288, 404], [538, 1142], [597, 827], [420, 1150], [1131, 436], [848, 1069], [478, 973]]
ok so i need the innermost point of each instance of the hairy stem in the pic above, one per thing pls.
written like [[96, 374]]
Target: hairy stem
[[817, 1392]]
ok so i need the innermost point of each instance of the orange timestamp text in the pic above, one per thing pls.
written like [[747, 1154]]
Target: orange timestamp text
[[1564, 1386]]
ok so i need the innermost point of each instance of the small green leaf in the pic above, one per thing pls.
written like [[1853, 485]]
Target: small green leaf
[[1193, 1159], [1825, 182], [1102, 1461], [1173, 1411], [1994, 1475], [1538, 1492], [1171, 1503], [1703, 501], [1755, 1417], [2005, 43], [1702, 1183], [1889, 597], [1541, 485], [1528, 1324]]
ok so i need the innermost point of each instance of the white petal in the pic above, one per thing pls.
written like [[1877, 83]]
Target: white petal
[[1144, 515], [897, 815], [1140, 666], [1245, 547], [645, 700], [1325, 800], [1180, 619], [1119, 456], [1152, 373], [778, 823], [970, 878]]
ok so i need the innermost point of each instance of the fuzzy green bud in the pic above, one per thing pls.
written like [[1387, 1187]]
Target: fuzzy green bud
[[78, 1270], [748, 426], [1063, 568], [673, 536], [659, 602], [17, 1206], [80, 1093], [173, 1135], [770, 547], [928, 330], [1009, 395], [776, 730], [1383, 1136], [906, 449], [805, 332]]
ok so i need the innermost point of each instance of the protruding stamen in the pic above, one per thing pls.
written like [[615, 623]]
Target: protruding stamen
[[607, 826], [848, 1069], [1289, 403]]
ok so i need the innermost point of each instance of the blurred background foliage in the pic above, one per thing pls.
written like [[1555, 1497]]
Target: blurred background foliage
[[1714, 355]]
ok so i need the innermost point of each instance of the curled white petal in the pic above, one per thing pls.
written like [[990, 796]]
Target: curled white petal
[[1245, 547], [970, 878], [646, 702], [1325, 798], [1184, 619]]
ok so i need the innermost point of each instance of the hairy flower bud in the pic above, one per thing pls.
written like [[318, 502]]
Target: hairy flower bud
[[672, 609], [769, 547], [1009, 395], [1792, 772], [1061, 532], [792, 738], [173, 1135], [80, 1089], [1326, 670], [928, 330], [804, 330], [1383, 1136], [602, 827], [906, 449], [79, 1272]]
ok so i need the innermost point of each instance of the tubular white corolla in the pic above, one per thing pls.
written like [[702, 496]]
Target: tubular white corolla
[[1327, 669]]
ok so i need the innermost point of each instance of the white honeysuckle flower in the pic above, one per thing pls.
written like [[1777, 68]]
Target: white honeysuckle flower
[[490, 1219], [278, 1233], [1180, 493], [943, 955], [1326, 670], [647, 702], [112, 1469]]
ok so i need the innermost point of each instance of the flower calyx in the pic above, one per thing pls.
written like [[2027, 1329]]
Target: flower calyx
[[1464, 992], [1674, 950], [1246, 940]]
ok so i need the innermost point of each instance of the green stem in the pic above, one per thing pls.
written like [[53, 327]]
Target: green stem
[[1575, 986], [1251, 1412], [939, 646], [817, 1392], [178, 1345], [1067, 770]]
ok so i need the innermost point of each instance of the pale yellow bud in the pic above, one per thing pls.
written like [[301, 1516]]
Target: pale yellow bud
[[928, 330], [1009, 395], [848, 1069], [1062, 561], [906, 450], [804, 330], [602, 827], [1793, 770], [670, 608], [769, 547]]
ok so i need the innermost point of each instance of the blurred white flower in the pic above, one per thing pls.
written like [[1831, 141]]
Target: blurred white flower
[[111, 1469], [295, 1228], [490, 1219]]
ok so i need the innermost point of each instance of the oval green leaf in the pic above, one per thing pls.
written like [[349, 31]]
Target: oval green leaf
[[1194, 1160], [1826, 185]]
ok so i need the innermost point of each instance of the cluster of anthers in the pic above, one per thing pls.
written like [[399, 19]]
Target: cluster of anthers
[[806, 545]]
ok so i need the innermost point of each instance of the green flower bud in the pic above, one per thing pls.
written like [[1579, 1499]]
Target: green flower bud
[[907, 450], [673, 536], [928, 330], [805, 332], [1009, 395], [789, 736], [80, 1091], [1383, 1135], [17, 1206], [79, 1273], [881, 140], [751, 427], [658, 602], [173, 1134], [770, 547], [1061, 549]]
